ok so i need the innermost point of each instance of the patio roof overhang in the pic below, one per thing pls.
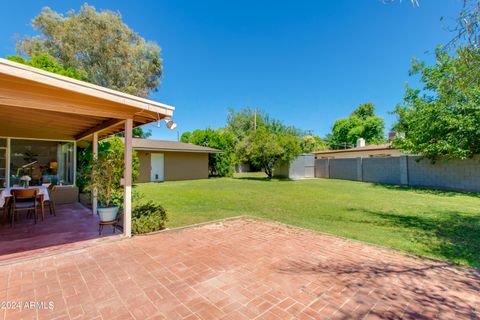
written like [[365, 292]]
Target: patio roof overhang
[[43, 105], [40, 104]]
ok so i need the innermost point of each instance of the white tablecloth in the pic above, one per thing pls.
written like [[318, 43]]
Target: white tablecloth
[[6, 193]]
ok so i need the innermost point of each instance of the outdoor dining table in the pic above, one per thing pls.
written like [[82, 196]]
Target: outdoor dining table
[[6, 195]]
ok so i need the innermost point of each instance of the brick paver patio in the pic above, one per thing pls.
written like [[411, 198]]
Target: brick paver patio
[[72, 226], [239, 269]]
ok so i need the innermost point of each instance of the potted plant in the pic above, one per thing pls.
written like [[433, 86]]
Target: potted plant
[[105, 177]]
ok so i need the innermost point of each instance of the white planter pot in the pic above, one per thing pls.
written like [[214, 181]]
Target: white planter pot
[[107, 214]]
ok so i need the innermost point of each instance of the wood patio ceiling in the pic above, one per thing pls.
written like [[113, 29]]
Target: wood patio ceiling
[[31, 109]]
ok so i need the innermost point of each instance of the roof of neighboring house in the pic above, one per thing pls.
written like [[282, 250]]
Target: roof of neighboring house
[[370, 147], [163, 145]]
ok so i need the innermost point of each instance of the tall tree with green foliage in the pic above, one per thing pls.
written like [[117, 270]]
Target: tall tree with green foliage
[[442, 119], [98, 45], [310, 143], [241, 123], [362, 123], [262, 140], [219, 164], [45, 62], [266, 147], [251, 135]]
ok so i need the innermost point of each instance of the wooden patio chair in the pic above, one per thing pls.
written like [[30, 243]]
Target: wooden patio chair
[[24, 200], [52, 189]]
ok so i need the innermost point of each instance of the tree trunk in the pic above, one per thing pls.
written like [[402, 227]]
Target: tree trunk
[[269, 172]]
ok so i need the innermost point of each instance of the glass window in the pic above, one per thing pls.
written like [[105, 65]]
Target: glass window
[[43, 161]]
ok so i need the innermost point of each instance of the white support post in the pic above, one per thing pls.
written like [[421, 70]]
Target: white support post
[[94, 156], [127, 196]]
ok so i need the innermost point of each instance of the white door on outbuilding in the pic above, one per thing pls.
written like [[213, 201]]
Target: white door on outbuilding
[[157, 162]]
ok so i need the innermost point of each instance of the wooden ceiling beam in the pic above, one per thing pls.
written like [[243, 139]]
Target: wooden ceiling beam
[[109, 124]]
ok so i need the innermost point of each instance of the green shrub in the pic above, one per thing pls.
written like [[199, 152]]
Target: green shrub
[[148, 217]]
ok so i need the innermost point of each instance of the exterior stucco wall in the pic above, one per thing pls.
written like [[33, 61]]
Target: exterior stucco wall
[[185, 166], [177, 166], [145, 166]]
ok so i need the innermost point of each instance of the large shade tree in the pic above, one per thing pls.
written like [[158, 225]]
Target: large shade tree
[[442, 119], [262, 141], [267, 147], [98, 45], [241, 123], [362, 123], [219, 164], [252, 136]]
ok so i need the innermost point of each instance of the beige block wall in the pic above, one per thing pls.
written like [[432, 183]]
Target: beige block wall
[[177, 166]]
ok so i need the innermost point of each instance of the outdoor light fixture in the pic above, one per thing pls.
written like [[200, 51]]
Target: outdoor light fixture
[[168, 121], [170, 124]]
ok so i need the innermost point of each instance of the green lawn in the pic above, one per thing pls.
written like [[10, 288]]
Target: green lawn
[[439, 224]]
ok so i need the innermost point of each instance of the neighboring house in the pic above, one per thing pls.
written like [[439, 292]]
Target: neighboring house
[[361, 151], [171, 160]]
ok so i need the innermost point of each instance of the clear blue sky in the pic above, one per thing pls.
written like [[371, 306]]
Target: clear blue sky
[[306, 63]]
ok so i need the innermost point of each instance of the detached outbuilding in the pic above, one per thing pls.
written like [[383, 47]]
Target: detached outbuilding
[[302, 167], [171, 160]]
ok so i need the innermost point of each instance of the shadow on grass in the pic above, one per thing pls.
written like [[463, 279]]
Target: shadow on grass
[[422, 190], [262, 179], [253, 178], [450, 235]]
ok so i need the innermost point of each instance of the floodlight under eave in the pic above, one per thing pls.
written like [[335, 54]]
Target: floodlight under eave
[[170, 124]]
